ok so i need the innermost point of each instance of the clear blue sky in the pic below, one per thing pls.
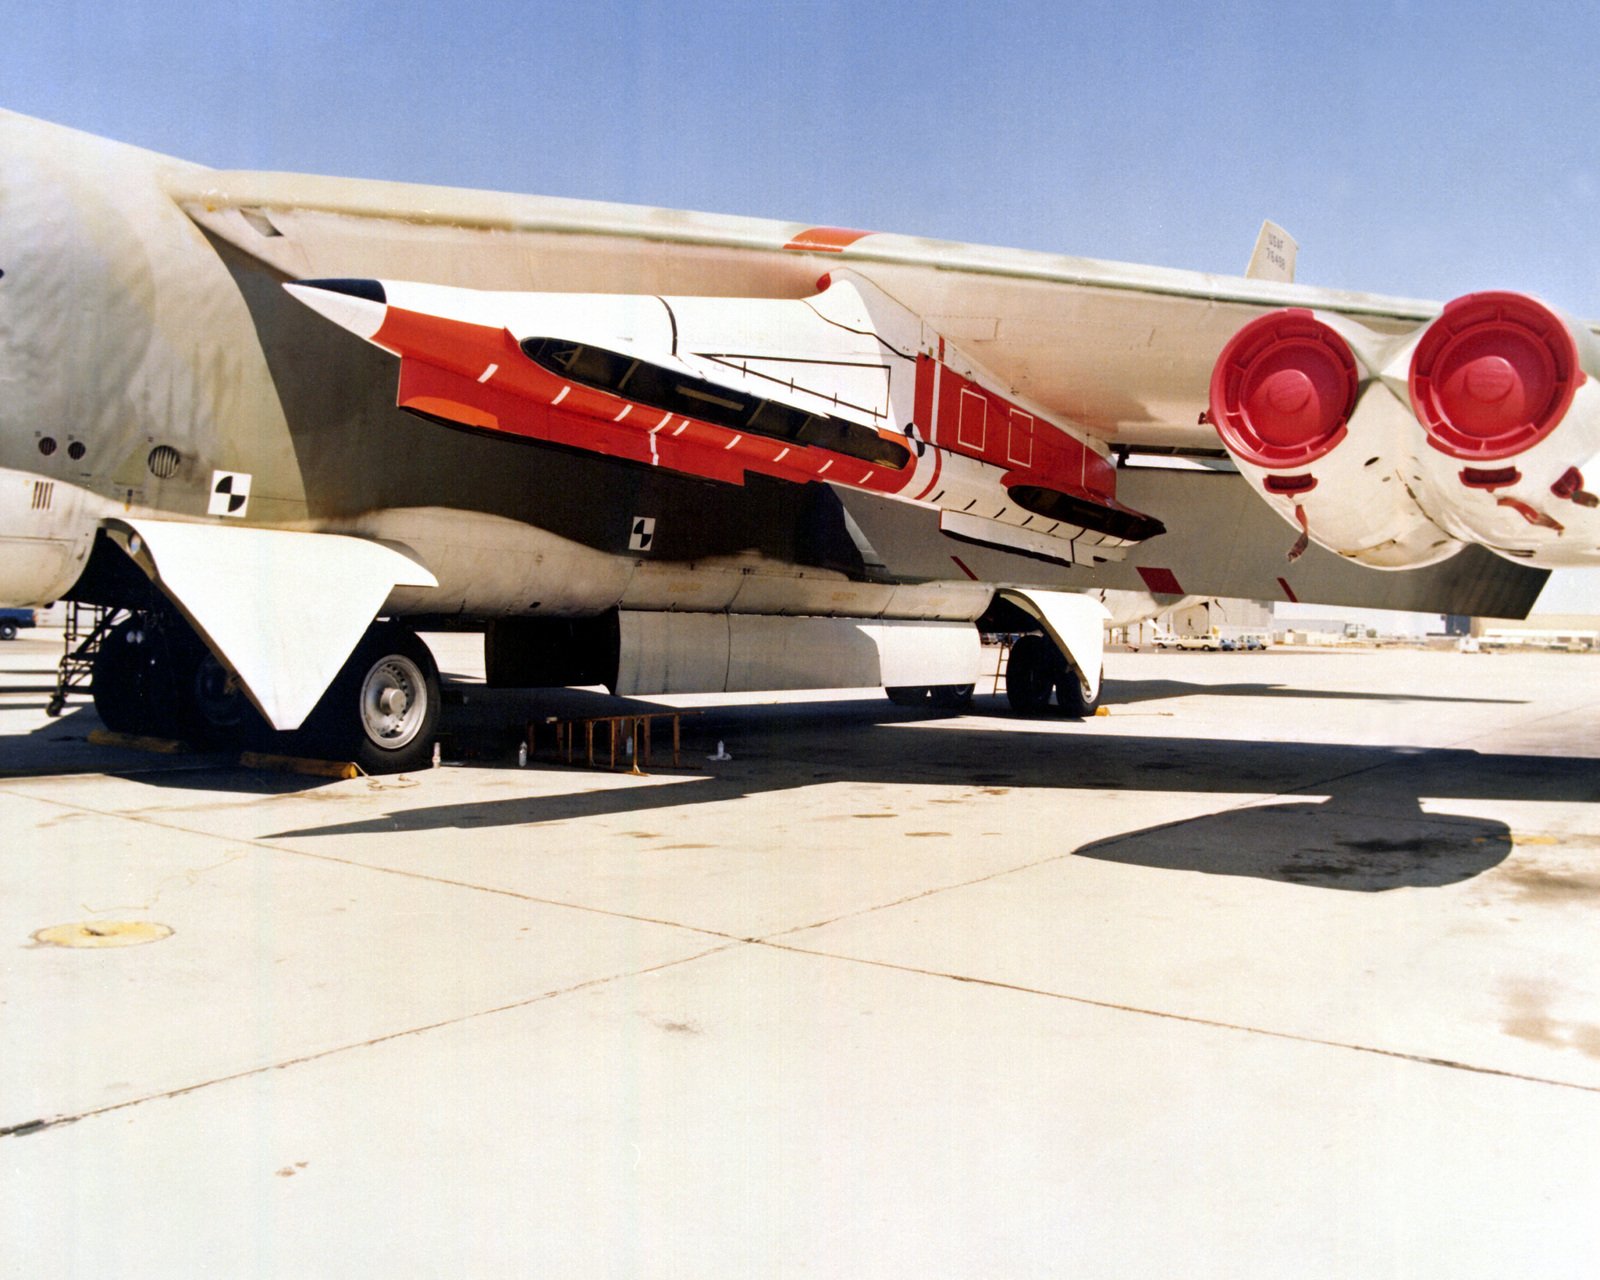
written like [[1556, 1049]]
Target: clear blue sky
[[1417, 148]]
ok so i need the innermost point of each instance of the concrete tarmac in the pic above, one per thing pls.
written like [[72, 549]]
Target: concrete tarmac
[[1285, 967]]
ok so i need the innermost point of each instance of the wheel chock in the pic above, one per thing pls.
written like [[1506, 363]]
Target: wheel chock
[[138, 742], [344, 769]]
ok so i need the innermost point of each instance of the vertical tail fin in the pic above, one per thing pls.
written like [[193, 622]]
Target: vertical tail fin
[[1273, 258]]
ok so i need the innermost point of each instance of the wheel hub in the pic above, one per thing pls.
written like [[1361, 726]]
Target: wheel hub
[[393, 698]]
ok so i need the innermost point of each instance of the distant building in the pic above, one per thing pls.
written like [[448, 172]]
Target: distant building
[[1569, 632], [1221, 619]]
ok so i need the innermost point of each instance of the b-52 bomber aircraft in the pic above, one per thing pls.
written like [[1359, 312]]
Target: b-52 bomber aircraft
[[286, 421]]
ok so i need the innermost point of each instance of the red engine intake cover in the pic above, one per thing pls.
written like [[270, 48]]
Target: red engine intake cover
[[1493, 376], [1283, 389]]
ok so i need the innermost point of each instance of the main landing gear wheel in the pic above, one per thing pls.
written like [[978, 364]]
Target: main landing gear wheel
[[941, 697], [153, 675], [951, 697], [213, 710], [383, 706], [1073, 701], [1032, 671], [131, 682]]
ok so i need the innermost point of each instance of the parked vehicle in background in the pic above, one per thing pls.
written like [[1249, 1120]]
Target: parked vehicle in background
[[13, 620], [1205, 640]]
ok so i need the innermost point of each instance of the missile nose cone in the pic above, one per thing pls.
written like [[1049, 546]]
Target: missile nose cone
[[358, 305]]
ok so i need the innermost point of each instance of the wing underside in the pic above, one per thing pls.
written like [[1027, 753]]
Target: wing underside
[[1123, 351]]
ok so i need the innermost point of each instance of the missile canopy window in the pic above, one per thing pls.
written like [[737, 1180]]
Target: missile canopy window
[[652, 387], [282, 421]]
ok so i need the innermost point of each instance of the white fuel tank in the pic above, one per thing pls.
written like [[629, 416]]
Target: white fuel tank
[[729, 653]]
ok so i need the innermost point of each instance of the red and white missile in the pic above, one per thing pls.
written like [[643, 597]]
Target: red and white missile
[[845, 387]]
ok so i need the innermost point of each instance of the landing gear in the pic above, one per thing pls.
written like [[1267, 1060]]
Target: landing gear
[[951, 697], [382, 707], [941, 697], [213, 710], [1072, 699], [132, 684], [1037, 668], [152, 675], [1034, 667]]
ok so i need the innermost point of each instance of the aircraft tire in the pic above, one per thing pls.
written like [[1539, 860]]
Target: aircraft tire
[[1031, 674], [382, 708], [908, 695], [951, 697], [131, 680], [212, 711], [1070, 697]]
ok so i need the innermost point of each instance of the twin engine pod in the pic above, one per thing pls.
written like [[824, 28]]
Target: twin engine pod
[[1396, 449]]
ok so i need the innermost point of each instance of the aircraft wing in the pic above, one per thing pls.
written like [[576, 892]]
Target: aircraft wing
[[1121, 350], [1122, 358]]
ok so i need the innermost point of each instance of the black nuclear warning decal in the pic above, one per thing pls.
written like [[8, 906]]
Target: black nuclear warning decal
[[644, 533], [230, 493]]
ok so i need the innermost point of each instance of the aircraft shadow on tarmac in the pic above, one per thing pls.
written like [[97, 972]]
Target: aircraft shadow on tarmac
[[1322, 844], [1126, 691], [1360, 826]]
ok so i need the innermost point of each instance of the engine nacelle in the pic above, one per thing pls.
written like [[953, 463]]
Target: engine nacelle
[[1505, 390], [1297, 400]]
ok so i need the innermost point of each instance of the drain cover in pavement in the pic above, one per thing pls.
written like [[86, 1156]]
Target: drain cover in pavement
[[103, 933]]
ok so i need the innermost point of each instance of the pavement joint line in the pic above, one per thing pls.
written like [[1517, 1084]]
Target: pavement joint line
[[925, 893], [1500, 731], [769, 941], [1259, 800], [95, 770], [29, 1127], [354, 864], [1256, 801], [1192, 1019]]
